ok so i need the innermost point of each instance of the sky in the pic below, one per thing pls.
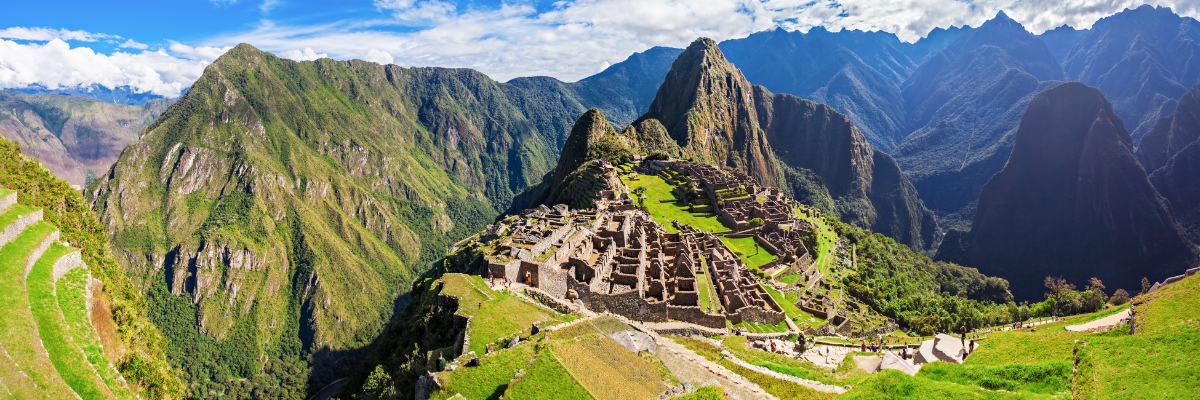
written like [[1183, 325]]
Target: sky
[[163, 46]]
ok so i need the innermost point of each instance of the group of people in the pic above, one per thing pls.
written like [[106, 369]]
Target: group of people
[[504, 282]]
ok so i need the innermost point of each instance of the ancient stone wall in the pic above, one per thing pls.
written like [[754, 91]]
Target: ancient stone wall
[[627, 304], [554, 303], [695, 315]]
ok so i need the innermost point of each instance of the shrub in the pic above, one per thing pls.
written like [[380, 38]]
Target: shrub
[[1120, 297]]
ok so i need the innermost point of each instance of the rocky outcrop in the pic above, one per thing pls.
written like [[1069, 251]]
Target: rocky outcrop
[[1074, 202], [707, 106]]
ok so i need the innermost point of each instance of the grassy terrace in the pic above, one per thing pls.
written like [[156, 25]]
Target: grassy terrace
[[608, 371], [547, 379], [826, 239], [71, 364], [72, 300], [775, 386], [487, 381], [706, 289], [664, 207], [750, 252], [495, 314], [18, 332]]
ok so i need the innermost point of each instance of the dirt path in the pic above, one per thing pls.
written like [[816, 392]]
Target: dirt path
[[818, 386], [1105, 322], [687, 366]]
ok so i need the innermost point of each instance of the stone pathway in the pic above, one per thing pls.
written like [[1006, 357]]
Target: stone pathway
[[828, 357], [818, 386], [687, 366], [1111, 320]]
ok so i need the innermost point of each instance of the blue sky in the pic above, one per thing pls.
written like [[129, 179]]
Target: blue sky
[[163, 46]]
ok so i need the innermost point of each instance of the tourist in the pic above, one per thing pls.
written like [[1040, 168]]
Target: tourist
[[963, 331], [972, 346], [491, 279], [773, 350]]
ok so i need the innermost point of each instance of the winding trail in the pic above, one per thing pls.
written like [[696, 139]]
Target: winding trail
[[1111, 320]]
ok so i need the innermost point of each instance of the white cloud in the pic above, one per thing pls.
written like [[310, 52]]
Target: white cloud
[[131, 44], [307, 55], [47, 34], [56, 64], [199, 53], [267, 5], [379, 56]]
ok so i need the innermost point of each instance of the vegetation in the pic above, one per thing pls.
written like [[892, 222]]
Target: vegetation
[[488, 381], [52, 328], [749, 251], [546, 379], [608, 371], [665, 207], [72, 301], [1046, 377], [144, 362], [775, 386]]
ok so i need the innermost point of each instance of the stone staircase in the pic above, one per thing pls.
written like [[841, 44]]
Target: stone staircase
[[49, 347]]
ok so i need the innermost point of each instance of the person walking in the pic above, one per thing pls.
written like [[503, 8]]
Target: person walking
[[963, 331]]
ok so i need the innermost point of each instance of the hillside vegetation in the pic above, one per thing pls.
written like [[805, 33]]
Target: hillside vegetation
[[72, 322]]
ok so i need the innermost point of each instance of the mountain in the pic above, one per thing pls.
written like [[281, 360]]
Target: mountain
[[76, 138], [1171, 153], [117, 95], [964, 104], [72, 323], [1072, 201], [1060, 40], [707, 106], [933, 42], [716, 116], [1142, 59], [857, 73]]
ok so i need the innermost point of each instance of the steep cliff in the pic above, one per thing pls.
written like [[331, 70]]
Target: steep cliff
[[1072, 202], [1171, 153], [577, 178], [707, 106]]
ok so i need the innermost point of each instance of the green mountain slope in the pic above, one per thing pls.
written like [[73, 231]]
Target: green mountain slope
[[76, 138], [72, 323]]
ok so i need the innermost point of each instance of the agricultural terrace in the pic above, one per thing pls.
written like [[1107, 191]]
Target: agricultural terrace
[[495, 315], [664, 207]]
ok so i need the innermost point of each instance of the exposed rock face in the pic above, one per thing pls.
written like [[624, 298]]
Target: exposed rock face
[[1142, 59], [1072, 202], [1171, 151], [964, 105], [866, 185], [76, 138], [707, 106]]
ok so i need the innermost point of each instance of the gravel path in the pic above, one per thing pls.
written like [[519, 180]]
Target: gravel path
[[1105, 322], [687, 366]]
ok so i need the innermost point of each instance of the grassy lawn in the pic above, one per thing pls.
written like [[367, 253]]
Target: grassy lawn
[[1047, 377], [72, 289], [1157, 362], [1019, 347], [664, 207], [18, 332], [705, 393], [68, 360], [790, 278], [608, 371], [706, 290], [547, 379], [753, 255], [487, 381], [790, 366], [892, 384], [775, 386], [826, 238], [801, 317], [495, 314], [754, 327], [17, 210], [603, 325]]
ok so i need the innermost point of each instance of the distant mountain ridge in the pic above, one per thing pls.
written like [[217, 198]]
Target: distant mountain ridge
[[1072, 201]]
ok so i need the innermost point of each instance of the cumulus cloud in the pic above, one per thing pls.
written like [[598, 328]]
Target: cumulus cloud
[[131, 44], [200, 53], [379, 56], [306, 55], [56, 64]]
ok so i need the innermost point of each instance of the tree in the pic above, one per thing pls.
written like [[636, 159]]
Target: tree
[[1145, 286], [1120, 297], [755, 222], [1058, 287]]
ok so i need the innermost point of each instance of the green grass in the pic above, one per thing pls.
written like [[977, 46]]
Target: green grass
[[664, 207], [749, 251], [755, 327], [17, 210], [1020, 347], [706, 290], [18, 332], [72, 300], [547, 379], [70, 362], [487, 381], [1158, 361], [495, 314], [705, 393], [603, 325], [826, 239], [1047, 377], [789, 366], [608, 371], [790, 278], [775, 386], [892, 384]]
